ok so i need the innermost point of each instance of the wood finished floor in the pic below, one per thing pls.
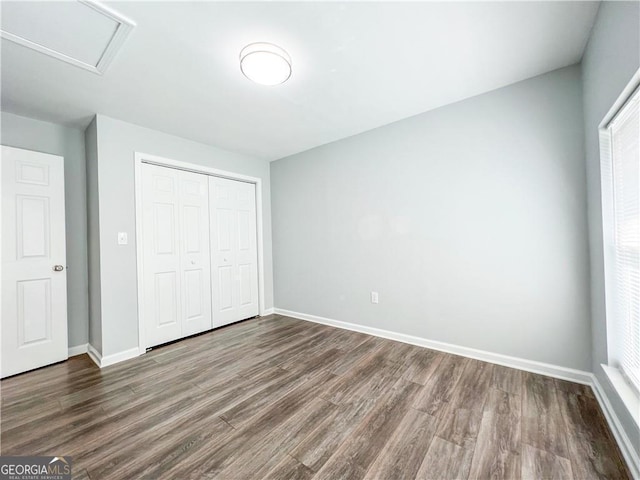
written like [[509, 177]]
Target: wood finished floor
[[279, 398]]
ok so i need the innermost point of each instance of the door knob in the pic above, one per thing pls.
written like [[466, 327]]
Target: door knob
[[58, 268]]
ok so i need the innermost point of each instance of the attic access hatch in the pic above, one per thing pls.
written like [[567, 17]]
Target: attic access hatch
[[84, 33]]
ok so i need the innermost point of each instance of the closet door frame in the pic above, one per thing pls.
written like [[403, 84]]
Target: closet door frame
[[141, 158]]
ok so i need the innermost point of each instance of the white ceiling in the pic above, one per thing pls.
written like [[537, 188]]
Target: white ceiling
[[356, 66]]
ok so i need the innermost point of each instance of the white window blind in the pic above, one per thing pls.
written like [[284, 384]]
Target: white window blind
[[624, 173]]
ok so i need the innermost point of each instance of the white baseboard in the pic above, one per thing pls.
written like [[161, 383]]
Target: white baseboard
[[78, 350], [533, 366], [94, 354], [624, 442], [119, 357], [105, 361], [268, 311]]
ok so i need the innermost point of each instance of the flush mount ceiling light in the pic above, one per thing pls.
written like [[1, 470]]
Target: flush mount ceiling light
[[265, 63]]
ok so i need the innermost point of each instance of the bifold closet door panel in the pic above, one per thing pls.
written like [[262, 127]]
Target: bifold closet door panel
[[195, 258], [176, 263], [234, 254], [161, 255]]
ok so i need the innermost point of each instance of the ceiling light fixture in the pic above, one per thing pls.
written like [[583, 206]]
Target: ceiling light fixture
[[265, 63]]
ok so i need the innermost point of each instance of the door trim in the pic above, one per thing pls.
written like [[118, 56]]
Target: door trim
[[141, 158]]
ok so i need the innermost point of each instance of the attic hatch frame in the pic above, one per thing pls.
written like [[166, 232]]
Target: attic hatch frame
[[123, 30]]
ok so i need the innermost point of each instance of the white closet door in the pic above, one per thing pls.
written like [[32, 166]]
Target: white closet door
[[161, 261], [194, 249], [34, 283], [176, 264], [234, 254]]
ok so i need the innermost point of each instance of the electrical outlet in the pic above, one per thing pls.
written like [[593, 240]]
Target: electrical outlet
[[374, 297]]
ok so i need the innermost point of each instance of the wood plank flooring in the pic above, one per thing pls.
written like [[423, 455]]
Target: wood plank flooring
[[279, 398]]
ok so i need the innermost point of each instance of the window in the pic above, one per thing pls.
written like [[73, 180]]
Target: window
[[620, 157]]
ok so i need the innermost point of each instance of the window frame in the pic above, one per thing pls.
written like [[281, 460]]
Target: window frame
[[627, 391]]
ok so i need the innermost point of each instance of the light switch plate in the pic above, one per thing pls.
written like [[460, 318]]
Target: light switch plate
[[122, 238]]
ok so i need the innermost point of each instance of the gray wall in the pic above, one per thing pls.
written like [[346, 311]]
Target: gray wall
[[93, 237], [117, 143], [469, 220], [56, 139], [611, 58]]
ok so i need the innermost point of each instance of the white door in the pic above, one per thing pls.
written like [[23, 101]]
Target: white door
[[234, 253], [176, 263], [34, 283], [194, 253]]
